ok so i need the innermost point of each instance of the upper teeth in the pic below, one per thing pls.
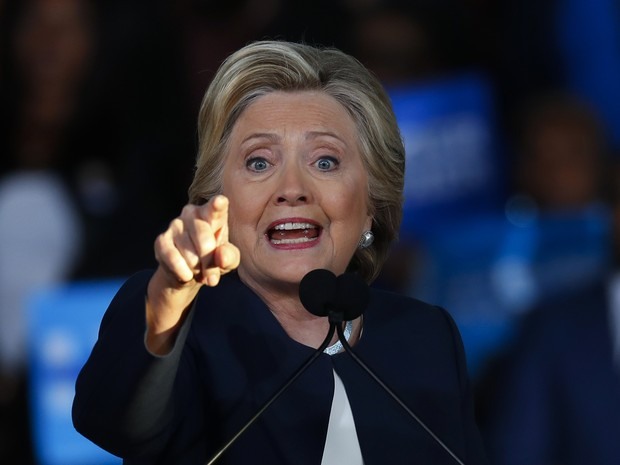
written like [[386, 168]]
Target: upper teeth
[[291, 226]]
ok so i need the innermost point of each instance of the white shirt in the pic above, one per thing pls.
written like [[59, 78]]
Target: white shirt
[[40, 236], [341, 446]]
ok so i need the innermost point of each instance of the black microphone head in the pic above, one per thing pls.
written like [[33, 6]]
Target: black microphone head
[[317, 291], [352, 295]]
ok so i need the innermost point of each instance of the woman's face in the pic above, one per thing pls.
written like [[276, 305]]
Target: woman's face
[[297, 186]]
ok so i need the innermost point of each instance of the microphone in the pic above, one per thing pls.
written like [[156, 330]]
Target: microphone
[[352, 296], [342, 298], [319, 290], [355, 292]]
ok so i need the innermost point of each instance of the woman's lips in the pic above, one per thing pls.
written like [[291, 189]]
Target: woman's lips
[[293, 234]]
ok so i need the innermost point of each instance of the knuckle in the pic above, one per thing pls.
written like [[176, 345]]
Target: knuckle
[[229, 256], [188, 210], [176, 225], [162, 243]]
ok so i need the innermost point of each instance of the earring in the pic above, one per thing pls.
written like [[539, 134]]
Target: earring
[[366, 240]]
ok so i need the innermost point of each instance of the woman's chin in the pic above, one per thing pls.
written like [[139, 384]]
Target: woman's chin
[[279, 275]]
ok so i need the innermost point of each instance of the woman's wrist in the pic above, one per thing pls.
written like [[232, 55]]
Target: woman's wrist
[[165, 308]]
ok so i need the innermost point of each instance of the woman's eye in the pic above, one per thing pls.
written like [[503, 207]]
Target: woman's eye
[[327, 163], [257, 164]]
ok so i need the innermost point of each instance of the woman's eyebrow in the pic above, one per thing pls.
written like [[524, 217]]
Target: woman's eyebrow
[[315, 134], [261, 135]]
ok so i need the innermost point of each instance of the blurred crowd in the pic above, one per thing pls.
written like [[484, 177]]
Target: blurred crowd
[[98, 107]]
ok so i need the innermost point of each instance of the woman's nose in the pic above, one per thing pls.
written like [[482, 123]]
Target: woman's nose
[[294, 186]]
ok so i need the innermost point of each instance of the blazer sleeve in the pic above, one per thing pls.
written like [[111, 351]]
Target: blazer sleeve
[[124, 394]]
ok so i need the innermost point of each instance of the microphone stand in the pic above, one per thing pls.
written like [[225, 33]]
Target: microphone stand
[[348, 349], [300, 370]]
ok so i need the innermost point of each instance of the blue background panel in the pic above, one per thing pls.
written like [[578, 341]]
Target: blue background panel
[[63, 327]]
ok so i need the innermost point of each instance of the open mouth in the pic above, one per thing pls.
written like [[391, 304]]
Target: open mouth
[[293, 233]]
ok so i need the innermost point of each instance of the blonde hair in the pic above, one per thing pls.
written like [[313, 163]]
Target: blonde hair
[[268, 66]]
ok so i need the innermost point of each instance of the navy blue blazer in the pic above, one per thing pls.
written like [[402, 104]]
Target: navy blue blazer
[[231, 355], [559, 398]]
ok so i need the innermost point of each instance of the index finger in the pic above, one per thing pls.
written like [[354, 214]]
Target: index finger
[[215, 212]]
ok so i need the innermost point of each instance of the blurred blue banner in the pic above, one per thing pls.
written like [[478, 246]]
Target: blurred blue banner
[[489, 270], [453, 164], [63, 326]]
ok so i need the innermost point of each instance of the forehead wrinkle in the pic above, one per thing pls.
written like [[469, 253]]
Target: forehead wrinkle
[[310, 135], [271, 137]]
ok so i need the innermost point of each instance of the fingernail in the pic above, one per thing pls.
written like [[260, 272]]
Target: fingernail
[[213, 279], [221, 200]]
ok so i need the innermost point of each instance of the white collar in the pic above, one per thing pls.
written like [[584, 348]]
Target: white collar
[[614, 314]]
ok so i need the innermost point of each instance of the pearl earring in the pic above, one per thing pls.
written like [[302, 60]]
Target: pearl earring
[[366, 240]]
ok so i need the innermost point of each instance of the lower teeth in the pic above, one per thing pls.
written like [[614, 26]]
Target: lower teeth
[[291, 241]]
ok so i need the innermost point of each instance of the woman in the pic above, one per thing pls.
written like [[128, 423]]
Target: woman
[[300, 156]]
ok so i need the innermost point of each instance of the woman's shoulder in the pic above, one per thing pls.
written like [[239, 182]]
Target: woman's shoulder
[[397, 302], [408, 311]]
